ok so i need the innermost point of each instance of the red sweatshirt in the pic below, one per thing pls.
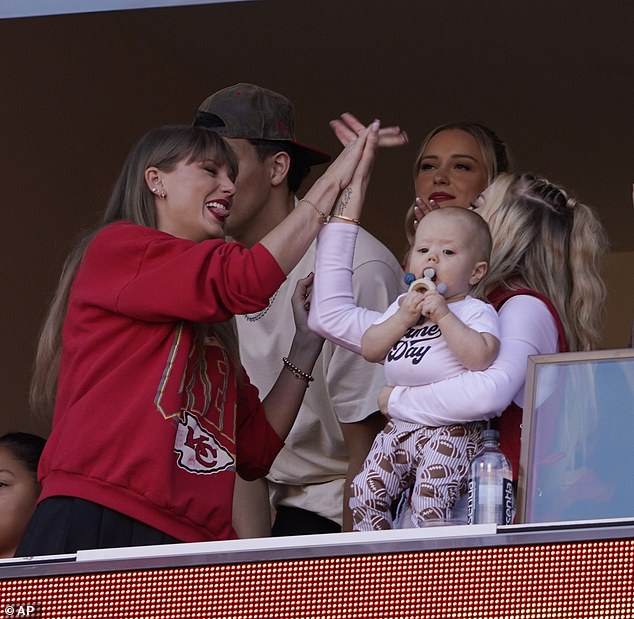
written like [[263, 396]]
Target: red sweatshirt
[[148, 419]]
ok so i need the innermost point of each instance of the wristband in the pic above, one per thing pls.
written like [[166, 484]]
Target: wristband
[[296, 372]]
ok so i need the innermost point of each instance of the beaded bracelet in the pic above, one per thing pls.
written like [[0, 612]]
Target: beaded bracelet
[[296, 372], [324, 218], [350, 219]]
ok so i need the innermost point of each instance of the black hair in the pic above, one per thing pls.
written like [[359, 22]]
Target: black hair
[[25, 447], [298, 169]]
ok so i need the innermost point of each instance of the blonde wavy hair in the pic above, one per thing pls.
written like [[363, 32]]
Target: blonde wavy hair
[[131, 200], [546, 240]]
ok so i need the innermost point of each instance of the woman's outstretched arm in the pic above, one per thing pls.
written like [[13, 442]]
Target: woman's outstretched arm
[[289, 241], [333, 312], [527, 328]]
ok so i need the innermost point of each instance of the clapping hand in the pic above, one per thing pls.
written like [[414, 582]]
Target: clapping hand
[[348, 127], [421, 208], [357, 155], [301, 306]]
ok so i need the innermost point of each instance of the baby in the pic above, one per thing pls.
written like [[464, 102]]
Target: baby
[[434, 331]]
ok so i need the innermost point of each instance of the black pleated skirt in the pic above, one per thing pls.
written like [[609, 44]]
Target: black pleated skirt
[[64, 525]]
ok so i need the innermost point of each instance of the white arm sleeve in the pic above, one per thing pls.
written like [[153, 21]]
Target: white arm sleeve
[[527, 328], [353, 382], [333, 312]]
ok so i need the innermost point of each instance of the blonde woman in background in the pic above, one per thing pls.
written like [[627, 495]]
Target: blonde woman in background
[[544, 279]]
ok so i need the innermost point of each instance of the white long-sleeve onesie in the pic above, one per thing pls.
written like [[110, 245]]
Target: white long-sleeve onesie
[[526, 328]]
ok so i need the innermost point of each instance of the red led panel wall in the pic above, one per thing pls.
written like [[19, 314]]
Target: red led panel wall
[[592, 580]]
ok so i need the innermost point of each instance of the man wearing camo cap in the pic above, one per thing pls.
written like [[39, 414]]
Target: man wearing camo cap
[[337, 421]]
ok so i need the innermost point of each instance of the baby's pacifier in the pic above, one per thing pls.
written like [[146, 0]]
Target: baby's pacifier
[[425, 283]]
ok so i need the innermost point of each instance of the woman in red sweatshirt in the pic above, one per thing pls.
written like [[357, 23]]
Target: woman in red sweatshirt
[[153, 413]]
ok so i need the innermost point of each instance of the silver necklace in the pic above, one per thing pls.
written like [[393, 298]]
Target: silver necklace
[[254, 317]]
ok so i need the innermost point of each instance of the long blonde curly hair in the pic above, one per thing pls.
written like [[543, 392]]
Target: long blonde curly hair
[[546, 240]]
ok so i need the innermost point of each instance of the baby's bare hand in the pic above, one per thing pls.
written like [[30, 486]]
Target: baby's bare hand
[[434, 306], [411, 308]]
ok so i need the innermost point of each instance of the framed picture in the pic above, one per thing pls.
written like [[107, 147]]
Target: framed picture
[[577, 455]]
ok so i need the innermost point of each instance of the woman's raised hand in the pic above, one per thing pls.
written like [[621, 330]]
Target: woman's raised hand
[[301, 305], [348, 127], [350, 202], [290, 239], [421, 208], [418, 209], [356, 157]]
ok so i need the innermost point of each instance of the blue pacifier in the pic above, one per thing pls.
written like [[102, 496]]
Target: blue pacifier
[[424, 283]]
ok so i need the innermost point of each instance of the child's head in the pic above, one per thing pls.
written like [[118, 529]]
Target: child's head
[[456, 243], [19, 489]]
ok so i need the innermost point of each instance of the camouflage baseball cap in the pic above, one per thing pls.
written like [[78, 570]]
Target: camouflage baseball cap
[[255, 113]]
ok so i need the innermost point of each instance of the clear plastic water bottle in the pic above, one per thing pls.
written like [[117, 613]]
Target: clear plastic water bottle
[[491, 496]]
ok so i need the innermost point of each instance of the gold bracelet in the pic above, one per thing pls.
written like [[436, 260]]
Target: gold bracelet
[[324, 218], [351, 219], [296, 372]]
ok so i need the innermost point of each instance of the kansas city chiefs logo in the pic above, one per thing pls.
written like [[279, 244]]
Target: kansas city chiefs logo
[[199, 451]]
